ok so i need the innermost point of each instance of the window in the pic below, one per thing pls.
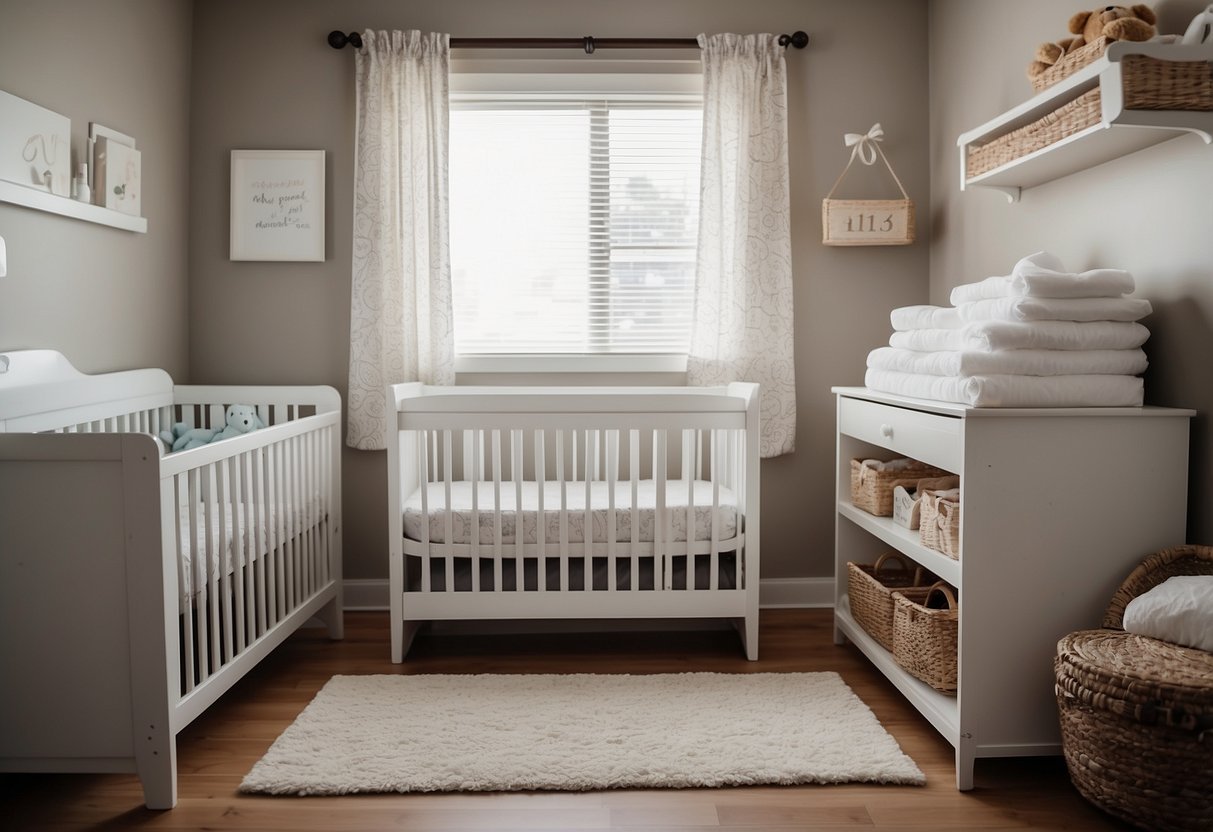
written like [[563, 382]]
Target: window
[[573, 222]]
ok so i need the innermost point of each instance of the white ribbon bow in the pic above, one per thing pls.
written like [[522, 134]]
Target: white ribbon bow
[[861, 144]]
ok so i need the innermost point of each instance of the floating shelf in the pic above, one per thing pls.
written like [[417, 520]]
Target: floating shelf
[[1119, 131], [55, 204]]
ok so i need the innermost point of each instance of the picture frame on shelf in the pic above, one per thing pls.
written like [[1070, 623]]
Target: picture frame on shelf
[[118, 177], [97, 131], [35, 146], [277, 205]]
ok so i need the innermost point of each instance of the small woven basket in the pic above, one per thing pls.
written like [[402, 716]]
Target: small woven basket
[[939, 523], [1137, 713], [870, 589], [872, 489], [1148, 83], [925, 638]]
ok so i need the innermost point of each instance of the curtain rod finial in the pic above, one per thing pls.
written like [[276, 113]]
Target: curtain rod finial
[[798, 39], [338, 39]]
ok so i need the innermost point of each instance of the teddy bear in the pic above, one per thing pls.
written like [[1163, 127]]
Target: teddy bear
[[238, 419], [1134, 23]]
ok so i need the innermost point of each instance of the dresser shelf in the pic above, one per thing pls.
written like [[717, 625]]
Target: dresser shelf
[[1057, 507], [55, 204], [1119, 131]]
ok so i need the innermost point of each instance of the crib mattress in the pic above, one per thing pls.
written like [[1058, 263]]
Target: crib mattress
[[644, 514], [240, 540]]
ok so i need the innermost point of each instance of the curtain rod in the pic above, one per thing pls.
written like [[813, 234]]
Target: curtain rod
[[338, 40]]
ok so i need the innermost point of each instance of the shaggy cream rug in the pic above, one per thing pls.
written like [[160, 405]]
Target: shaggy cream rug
[[582, 731]]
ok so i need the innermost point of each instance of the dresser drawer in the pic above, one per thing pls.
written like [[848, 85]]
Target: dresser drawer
[[928, 437]]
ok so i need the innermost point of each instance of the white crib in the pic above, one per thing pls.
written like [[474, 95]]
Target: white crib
[[573, 503], [136, 587]]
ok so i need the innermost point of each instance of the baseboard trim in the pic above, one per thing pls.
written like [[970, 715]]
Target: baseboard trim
[[773, 593]]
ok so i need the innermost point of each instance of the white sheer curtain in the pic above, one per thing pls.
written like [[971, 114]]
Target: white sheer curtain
[[401, 323], [742, 324]]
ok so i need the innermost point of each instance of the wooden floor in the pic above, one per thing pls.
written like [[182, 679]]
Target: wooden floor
[[219, 748]]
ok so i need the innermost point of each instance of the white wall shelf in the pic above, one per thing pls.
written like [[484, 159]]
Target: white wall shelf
[[1047, 533], [55, 204], [1119, 131]]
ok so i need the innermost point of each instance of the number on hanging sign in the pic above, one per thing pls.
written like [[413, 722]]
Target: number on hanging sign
[[848, 222]]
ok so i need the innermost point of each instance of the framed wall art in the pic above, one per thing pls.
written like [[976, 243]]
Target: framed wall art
[[277, 205]]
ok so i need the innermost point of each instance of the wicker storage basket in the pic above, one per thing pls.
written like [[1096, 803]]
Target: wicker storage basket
[[925, 638], [1066, 120], [1148, 83], [1070, 63], [1137, 713], [939, 523], [872, 489], [870, 589]]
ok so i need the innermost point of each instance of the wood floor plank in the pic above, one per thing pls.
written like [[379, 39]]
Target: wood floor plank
[[218, 749]]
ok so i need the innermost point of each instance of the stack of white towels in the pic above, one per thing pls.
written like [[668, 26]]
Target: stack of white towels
[[1038, 337]]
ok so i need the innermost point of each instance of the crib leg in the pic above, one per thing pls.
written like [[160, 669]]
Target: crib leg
[[333, 619], [403, 634], [156, 765], [749, 636]]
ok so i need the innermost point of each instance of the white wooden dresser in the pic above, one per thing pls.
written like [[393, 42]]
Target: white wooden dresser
[[1057, 506]]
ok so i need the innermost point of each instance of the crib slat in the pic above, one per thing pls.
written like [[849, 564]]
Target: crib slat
[[227, 545], [448, 511], [424, 480], [240, 554], [660, 550], [541, 520], [562, 479], [274, 519], [714, 548], [184, 590], [634, 478], [497, 566], [213, 566], [198, 578], [587, 532], [309, 473], [612, 473], [516, 473], [736, 467], [259, 534]]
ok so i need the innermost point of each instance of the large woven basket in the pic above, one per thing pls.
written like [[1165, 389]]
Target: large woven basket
[[872, 489], [1137, 713], [1148, 83], [870, 590], [924, 637]]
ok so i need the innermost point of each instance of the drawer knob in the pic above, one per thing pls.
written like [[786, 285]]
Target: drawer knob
[[886, 431]]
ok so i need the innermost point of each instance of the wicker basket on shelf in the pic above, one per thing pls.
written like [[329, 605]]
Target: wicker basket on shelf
[[872, 488], [1137, 713], [1066, 120], [1070, 63], [925, 637], [939, 523], [1148, 83], [870, 590]]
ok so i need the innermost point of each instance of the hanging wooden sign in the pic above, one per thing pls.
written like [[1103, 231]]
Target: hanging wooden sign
[[867, 222]]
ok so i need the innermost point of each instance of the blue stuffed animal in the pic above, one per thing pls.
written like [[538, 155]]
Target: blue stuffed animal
[[239, 419]]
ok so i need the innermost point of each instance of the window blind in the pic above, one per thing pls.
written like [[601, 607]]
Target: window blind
[[573, 223]]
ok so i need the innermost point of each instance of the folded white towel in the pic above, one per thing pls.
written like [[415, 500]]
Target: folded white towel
[[1013, 391], [997, 391], [1055, 309], [1010, 362], [925, 317], [1041, 275], [1037, 335]]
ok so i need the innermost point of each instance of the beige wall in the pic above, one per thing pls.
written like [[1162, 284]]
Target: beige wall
[[108, 299], [1150, 212], [264, 78]]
